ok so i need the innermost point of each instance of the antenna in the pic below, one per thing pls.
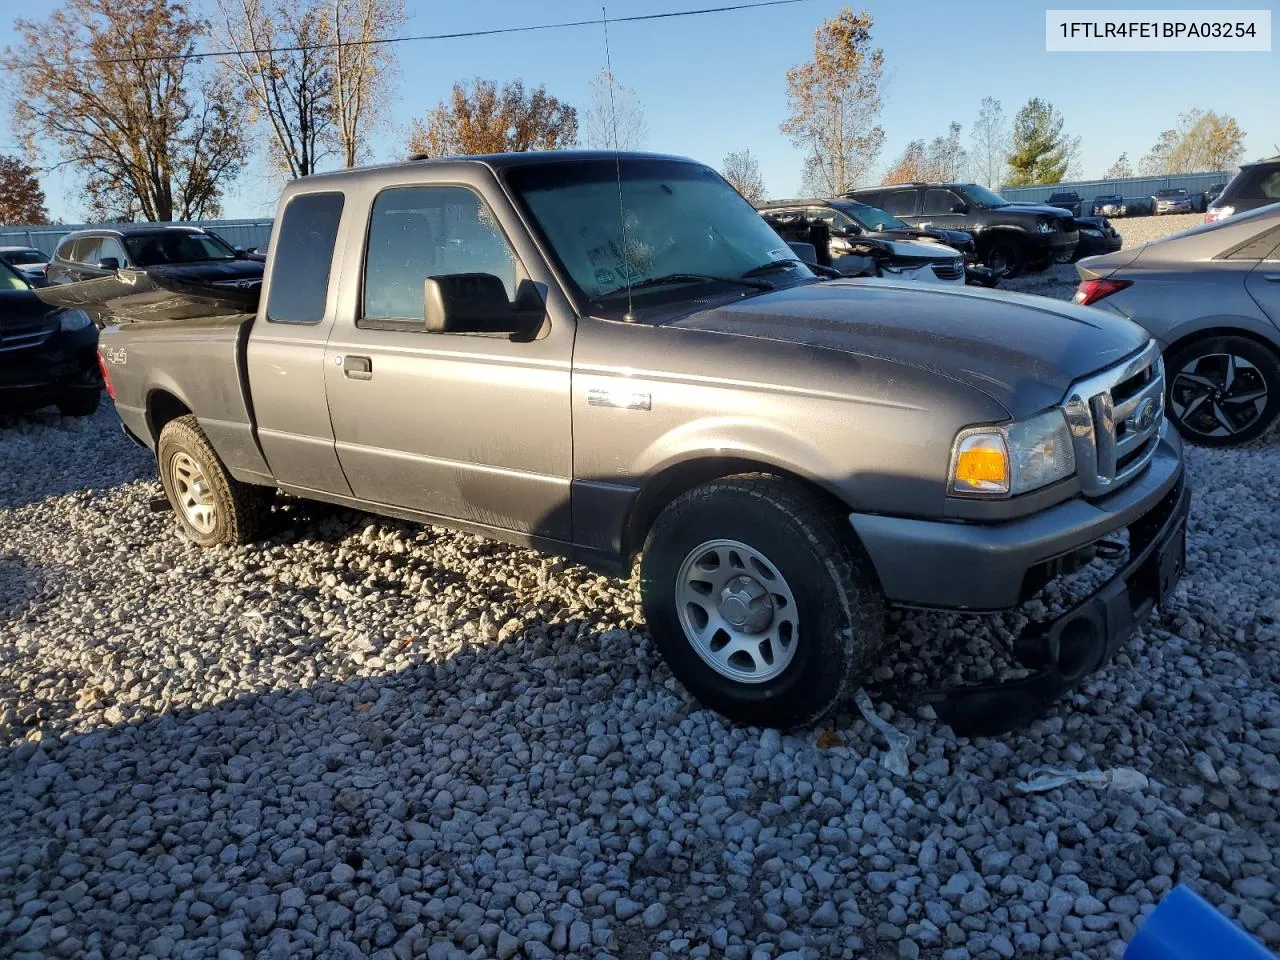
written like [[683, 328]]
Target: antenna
[[629, 316]]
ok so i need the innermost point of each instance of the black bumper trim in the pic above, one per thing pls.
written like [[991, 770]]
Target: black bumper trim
[[1081, 640]]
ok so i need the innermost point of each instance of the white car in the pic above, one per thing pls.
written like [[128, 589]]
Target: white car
[[28, 261]]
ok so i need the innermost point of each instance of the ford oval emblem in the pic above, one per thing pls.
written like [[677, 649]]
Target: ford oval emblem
[[1146, 414]]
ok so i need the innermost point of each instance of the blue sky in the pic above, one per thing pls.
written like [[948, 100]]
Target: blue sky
[[715, 83]]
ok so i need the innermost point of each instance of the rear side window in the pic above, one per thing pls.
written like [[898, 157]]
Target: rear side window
[[302, 254], [421, 232], [86, 250], [63, 251], [901, 203]]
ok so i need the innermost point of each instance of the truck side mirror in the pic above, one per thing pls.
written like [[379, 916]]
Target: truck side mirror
[[109, 263], [477, 303]]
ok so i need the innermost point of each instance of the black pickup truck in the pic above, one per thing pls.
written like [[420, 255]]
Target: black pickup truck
[[1012, 238]]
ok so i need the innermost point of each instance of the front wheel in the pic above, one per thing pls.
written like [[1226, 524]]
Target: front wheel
[[212, 506], [760, 600], [1223, 391], [1007, 256]]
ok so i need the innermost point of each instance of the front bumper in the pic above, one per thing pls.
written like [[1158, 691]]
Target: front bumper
[[1093, 246], [986, 567], [1051, 245], [1153, 507]]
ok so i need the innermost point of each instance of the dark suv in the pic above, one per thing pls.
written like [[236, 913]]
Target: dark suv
[[1256, 185], [1011, 238], [90, 254], [1069, 201]]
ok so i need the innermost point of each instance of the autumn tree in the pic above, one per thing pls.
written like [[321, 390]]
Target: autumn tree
[[1040, 152], [940, 159], [21, 199], [743, 173], [1201, 141], [480, 117], [614, 119], [285, 73], [989, 143], [1120, 170], [834, 102], [909, 167], [363, 70], [154, 133]]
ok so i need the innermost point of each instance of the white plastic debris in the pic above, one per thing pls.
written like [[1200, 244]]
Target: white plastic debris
[[895, 760], [1124, 779]]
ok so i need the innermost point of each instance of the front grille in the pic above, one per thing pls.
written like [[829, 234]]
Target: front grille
[[949, 269], [20, 334], [1115, 418]]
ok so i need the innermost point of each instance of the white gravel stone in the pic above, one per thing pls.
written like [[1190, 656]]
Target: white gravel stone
[[361, 738]]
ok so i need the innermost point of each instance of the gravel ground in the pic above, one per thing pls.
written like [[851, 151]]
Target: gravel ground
[[363, 738]]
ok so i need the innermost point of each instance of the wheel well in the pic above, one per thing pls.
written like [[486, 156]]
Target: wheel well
[[1211, 332], [659, 492], [163, 406]]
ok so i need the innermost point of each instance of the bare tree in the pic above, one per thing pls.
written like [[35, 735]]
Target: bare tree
[[990, 143], [743, 172], [834, 101], [21, 199], [481, 118], [286, 75], [910, 167], [363, 71], [942, 158], [1121, 169], [614, 119], [120, 98]]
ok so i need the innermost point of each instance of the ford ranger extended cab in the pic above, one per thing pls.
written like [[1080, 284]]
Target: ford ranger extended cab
[[613, 356]]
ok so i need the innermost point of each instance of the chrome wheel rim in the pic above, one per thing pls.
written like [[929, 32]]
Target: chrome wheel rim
[[1218, 395], [737, 611], [193, 493]]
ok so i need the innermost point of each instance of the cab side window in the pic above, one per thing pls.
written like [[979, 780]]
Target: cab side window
[[302, 253], [421, 232], [86, 250], [940, 201]]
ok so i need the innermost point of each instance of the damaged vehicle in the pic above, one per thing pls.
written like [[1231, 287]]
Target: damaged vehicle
[[611, 355], [48, 355], [1110, 205], [854, 252]]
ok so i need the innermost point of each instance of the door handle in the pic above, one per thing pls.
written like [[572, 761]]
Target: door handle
[[1271, 277], [357, 368]]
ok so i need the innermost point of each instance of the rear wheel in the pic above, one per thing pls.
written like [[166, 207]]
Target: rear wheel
[[212, 506], [1223, 391], [760, 600]]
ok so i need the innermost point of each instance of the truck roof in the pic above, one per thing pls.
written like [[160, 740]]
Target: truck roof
[[495, 161]]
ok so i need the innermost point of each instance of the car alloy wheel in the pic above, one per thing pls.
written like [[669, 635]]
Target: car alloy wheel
[[1218, 395], [195, 496], [737, 611]]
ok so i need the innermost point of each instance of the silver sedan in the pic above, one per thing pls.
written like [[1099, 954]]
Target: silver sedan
[[1211, 297]]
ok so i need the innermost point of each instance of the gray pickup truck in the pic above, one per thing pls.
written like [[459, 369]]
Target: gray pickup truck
[[614, 356]]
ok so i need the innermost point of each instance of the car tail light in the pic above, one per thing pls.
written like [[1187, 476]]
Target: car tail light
[[1091, 291], [106, 377]]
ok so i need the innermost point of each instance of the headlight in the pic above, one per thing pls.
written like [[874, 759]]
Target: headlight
[[1044, 226], [1013, 458], [72, 320]]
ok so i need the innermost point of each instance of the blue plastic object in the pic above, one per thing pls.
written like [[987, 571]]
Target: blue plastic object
[[1186, 927]]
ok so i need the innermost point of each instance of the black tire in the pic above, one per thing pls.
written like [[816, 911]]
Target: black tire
[[1255, 367], [1008, 254], [838, 603], [80, 404], [238, 509]]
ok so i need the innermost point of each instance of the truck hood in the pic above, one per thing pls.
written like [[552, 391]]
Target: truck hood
[[1022, 351]]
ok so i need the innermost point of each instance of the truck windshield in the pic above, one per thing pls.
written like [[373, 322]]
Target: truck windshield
[[982, 197], [665, 224], [178, 246]]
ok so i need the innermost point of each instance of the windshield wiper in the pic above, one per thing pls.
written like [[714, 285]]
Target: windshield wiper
[[688, 278], [787, 264]]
